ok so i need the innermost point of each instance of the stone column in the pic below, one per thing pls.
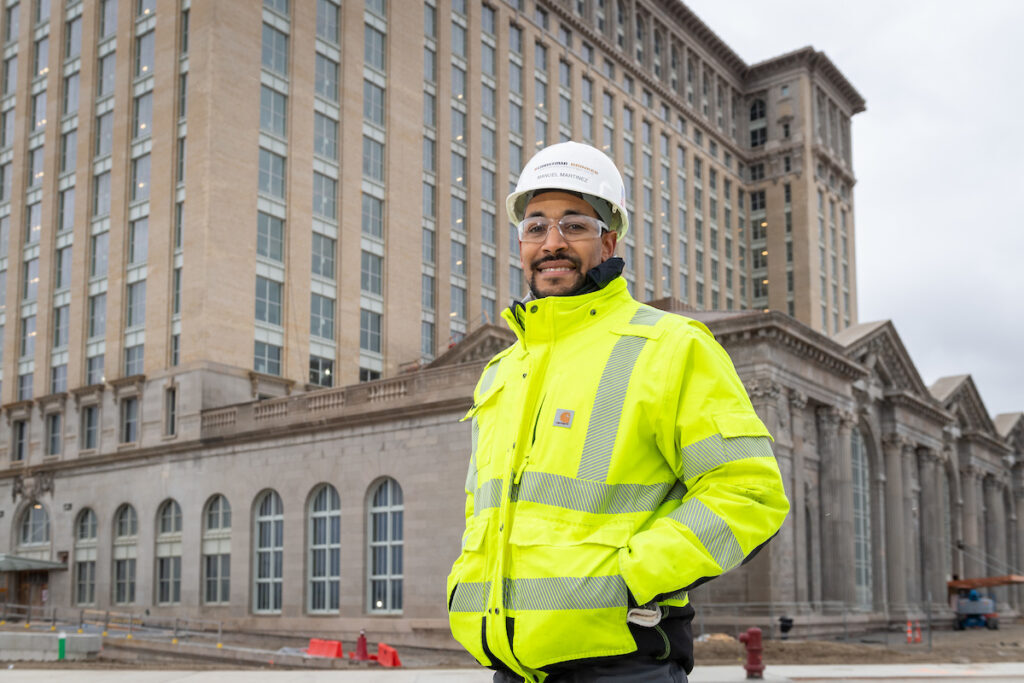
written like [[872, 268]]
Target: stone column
[[995, 535], [911, 523], [771, 576], [798, 502], [1018, 500], [972, 520], [836, 494], [931, 527], [895, 543]]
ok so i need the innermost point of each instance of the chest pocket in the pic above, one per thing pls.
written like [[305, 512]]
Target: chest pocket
[[485, 425]]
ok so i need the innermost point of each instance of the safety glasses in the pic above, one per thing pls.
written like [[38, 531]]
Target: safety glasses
[[572, 228]]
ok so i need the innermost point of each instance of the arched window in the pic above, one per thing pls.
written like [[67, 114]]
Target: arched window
[[35, 526], [126, 536], [217, 551], [269, 547], [385, 533], [85, 558], [861, 519], [324, 550], [168, 554]]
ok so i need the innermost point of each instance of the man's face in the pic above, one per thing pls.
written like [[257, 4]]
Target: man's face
[[555, 267]]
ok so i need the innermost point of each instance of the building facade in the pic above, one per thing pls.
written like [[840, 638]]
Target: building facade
[[210, 233]]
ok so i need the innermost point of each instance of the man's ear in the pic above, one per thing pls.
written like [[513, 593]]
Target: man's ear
[[608, 241]]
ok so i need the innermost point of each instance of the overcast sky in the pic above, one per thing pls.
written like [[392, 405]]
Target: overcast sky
[[939, 160]]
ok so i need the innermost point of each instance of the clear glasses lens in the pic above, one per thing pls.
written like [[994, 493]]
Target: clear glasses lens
[[572, 228]]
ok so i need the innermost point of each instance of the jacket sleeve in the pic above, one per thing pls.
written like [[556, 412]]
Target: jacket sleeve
[[734, 500]]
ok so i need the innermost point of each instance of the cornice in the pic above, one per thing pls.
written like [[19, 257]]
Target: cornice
[[921, 406], [814, 61]]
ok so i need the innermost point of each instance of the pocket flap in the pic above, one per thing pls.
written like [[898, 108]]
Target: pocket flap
[[740, 424], [529, 531], [487, 397], [475, 533]]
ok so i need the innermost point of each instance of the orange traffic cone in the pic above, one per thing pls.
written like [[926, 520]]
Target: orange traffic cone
[[917, 632], [910, 632]]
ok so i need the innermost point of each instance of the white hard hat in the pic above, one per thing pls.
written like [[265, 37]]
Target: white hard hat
[[573, 167]]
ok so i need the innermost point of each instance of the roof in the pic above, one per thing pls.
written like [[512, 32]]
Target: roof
[[1005, 422], [15, 563], [855, 332], [945, 386]]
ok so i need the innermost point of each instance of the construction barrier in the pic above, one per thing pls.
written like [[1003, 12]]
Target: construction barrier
[[387, 655], [324, 648]]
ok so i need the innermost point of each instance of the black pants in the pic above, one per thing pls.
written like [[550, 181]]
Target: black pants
[[631, 670]]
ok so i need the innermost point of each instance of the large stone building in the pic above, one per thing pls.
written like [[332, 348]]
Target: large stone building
[[209, 218]]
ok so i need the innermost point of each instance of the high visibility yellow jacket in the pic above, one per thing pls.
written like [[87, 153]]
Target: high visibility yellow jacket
[[616, 460]]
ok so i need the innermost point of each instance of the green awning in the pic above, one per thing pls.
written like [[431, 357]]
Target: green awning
[[14, 563]]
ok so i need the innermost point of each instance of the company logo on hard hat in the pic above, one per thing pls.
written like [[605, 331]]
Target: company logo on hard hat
[[563, 418]]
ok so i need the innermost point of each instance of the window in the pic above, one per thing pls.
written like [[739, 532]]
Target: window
[[273, 108], [275, 50], [373, 48], [325, 136], [458, 261], [325, 550], [373, 216], [129, 419], [108, 18], [269, 236], [386, 509], [135, 313], [41, 57], [69, 101], [321, 371], [25, 386], [171, 411], [66, 215], [28, 336], [138, 241], [325, 200], [168, 554], [279, 6], [133, 359], [268, 301], [861, 520], [267, 358], [146, 7], [126, 531], [372, 271], [10, 75], [30, 284], [369, 331], [101, 194], [106, 74], [104, 134], [60, 326], [35, 526], [327, 20], [373, 159], [144, 51], [321, 317], [216, 551], [97, 315], [183, 44], [323, 256], [268, 536], [325, 82], [19, 440], [90, 417], [39, 111], [58, 382], [94, 370], [271, 174], [85, 558]]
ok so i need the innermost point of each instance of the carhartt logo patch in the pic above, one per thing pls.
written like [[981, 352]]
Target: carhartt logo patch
[[563, 418]]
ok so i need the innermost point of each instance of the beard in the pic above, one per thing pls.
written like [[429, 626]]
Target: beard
[[570, 283]]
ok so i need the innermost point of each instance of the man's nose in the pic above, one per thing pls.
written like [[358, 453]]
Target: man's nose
[[554, 241]]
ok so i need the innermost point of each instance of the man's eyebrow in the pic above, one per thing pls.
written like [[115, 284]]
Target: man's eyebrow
[[567, 212]]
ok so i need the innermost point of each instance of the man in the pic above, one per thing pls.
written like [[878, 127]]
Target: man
[[617, 461]]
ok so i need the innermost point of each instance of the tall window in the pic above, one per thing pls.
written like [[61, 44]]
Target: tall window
[[35, 526], [168, 554], [217, 551], [861, 519], [384, 590], [269, 548], [85, 558], [126, 536], [275, 50], [324, 550]]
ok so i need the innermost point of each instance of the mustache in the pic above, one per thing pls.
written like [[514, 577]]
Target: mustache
[[575, 261]]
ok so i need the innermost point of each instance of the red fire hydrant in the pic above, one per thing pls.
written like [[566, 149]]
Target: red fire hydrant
[[754, 665]]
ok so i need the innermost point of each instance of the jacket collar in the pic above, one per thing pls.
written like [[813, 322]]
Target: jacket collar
[[540, 321]]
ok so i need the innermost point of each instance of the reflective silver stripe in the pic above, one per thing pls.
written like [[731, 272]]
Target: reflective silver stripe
[[470, 597], [488, 495], [678, 595], [712, 531], [713, 451], [471, 475], [677, 492], [646, 316], [566, 592], [488, 378], [590, 496], [604, 418]]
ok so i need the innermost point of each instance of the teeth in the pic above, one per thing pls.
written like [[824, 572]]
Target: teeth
[[556, 270]]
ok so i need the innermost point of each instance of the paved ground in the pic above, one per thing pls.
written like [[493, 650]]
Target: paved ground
[[973, 673]]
